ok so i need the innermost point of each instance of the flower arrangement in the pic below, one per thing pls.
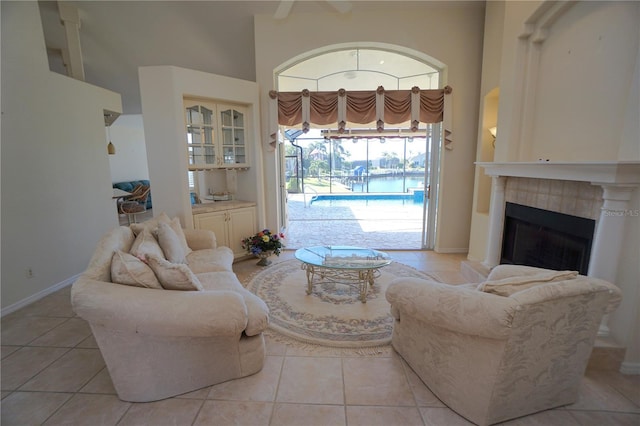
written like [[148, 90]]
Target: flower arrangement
[[263, 241]]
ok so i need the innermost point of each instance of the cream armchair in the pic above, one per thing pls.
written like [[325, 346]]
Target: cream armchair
[[493, 357]]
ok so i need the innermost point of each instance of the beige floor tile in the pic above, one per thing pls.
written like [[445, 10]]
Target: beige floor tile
[[546, 418], [600, 418], [376, 381], [423, 396], [166, 412], [89, 342], [273, 347], [6, 350], [312, 380], [196, 394], [25, 363], [90, 410], [308, 415], [66, 335], [20, 330], [383, 416], [234, 413], [69, 373], [434, 416], [100, 383], [4, 394], [627, 384], [600, 396], [261, 386], [57, 304], [30, 408]]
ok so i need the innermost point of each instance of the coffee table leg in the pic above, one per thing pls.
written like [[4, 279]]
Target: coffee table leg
[[309, 269]]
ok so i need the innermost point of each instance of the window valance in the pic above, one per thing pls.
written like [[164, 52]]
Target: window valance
[[362, 107]]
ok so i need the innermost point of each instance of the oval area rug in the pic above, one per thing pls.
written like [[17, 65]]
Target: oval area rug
[[332, 315]]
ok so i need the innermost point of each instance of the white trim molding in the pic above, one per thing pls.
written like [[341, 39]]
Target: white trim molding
[[39, 295]]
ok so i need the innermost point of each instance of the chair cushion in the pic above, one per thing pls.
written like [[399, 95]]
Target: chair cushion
[[510, 285], [174, 276], [129, 270]]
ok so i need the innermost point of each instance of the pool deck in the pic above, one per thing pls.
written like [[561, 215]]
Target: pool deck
[[381, 227]]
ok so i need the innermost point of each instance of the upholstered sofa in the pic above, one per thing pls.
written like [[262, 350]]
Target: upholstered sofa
[[515, 344], [131, 184], [164, 327]]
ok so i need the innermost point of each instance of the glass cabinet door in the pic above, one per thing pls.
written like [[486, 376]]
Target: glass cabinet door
[[215, 135], [233, 135], [200, 132]]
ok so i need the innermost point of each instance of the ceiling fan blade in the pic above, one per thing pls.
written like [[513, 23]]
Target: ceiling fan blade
[[283, 9], [342, 6]]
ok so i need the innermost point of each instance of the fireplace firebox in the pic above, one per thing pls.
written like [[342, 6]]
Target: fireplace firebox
[[546, 239]]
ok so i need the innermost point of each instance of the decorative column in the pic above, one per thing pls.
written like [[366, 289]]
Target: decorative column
[[607, 241], [609, 235], [496, 222]]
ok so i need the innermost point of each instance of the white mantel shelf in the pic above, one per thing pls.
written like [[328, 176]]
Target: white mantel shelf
[[613, 172]]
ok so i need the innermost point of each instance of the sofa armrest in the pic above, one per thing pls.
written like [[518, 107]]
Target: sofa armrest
[[159, 312], [509, 271], [200, 239], [458, 309]]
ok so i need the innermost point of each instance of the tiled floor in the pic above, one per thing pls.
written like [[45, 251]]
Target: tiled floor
[[53, 374]]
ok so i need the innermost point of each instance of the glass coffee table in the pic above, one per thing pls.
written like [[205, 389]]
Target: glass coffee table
[[355, 266]]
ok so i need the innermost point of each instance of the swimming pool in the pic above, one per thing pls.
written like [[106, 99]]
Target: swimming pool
[[414, 197]]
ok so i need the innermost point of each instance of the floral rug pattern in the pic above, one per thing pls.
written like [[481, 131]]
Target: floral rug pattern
[[332, 314]]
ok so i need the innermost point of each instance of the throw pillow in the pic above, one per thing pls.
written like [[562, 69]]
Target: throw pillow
[[129, 270], [177, 228], [150, 224], [146, 244], [170, 244], [174, 276], [511, 285]]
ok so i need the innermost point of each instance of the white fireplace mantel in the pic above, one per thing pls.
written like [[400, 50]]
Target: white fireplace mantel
[[611, 172], [618, 180]]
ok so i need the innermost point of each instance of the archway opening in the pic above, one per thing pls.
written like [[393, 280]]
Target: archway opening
[[360, 186]]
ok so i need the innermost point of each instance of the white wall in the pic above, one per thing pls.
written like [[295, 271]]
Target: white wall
[[586, 69], [449, 32], [56, 185], [130, 159]]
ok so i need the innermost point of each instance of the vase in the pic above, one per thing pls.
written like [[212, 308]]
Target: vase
[[264, 258]]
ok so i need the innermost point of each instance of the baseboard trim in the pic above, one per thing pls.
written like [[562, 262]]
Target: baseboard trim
[[451, 250], [630, 368], [39, 295]]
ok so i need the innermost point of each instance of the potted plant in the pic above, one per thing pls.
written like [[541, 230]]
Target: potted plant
[[264, 244]]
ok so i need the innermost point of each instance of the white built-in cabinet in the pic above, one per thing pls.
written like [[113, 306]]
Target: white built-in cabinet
[[230, 226], [216, 135]]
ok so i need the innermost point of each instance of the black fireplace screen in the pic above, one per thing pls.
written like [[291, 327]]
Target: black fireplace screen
[[546, 239]]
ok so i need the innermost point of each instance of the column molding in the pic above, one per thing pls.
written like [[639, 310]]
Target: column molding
[[496, 221]]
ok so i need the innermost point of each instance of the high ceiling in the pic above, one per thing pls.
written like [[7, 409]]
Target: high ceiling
[[117, 37]]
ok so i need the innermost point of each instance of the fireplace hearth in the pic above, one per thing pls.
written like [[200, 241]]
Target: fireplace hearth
[[546, 239]]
